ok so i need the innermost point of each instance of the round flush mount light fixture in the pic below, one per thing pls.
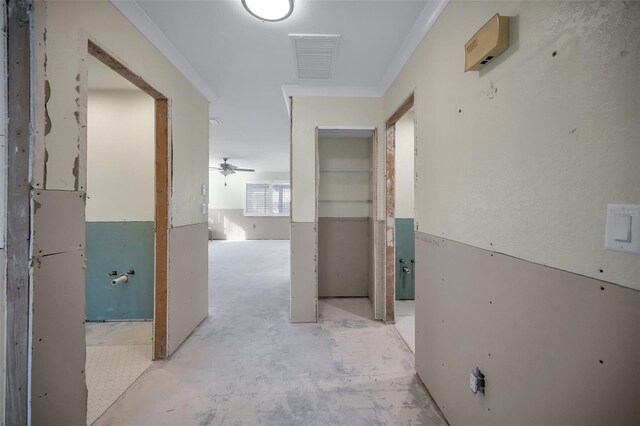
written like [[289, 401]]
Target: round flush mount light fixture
[[269, 10]]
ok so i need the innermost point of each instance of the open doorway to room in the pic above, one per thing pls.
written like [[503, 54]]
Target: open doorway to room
[[249, 257], [405, 236], [126, 223], [346, 215], [400, 250]]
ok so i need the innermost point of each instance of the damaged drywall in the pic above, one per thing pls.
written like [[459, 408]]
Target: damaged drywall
[[517, 165], [59, 165]]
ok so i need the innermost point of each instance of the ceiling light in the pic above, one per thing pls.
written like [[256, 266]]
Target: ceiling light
[[269, 10]]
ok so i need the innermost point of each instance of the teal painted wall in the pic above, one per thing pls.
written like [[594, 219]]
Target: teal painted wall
[[405, 249], [120, 246]]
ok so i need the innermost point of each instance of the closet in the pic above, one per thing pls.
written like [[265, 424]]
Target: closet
[[345, 213]]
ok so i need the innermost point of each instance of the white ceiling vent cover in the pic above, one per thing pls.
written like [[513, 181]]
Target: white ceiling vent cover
[[315, 55]]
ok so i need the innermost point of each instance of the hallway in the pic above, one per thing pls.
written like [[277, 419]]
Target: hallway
[[246, 364]]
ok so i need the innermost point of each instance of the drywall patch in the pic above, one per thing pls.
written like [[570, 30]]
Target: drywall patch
[[304, 272], [58, 221], [520, 319], [188, 289], [343, 257], [58, 393]]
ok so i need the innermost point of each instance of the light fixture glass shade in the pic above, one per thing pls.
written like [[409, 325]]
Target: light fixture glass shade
[[269, 10]]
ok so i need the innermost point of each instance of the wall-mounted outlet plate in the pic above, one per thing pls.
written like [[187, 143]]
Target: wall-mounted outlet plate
[[476, 381], [623, 228]]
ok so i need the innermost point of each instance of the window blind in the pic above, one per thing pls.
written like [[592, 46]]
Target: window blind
[[257, 198], [267, 198]]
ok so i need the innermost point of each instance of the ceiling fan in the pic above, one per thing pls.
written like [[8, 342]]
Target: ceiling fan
[[228, 169]]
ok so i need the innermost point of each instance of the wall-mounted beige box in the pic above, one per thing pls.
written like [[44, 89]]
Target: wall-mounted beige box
[[489, 42]]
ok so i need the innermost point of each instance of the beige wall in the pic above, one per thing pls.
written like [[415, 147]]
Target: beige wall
[[405, 178], [226, 209], [542, 143], [311, 112], [228, 197], [515, 167], [120, 156], [233, 225], [68, 24]]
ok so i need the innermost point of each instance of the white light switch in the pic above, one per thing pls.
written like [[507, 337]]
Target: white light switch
[[623, 228]]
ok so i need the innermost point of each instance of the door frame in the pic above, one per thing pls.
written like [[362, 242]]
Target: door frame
[[18, 16], [390, 191], [374, 201], [162, 185]]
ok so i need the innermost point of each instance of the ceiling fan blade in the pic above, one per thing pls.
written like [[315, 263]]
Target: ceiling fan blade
[[214, 168], [243, 170]]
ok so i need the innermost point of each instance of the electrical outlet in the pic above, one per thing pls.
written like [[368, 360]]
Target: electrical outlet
[[203, 190], [476, 381], [204, 208]]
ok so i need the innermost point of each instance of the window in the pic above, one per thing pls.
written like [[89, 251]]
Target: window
[[267, 198]]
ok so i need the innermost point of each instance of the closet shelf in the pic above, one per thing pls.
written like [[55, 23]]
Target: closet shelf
[[345, 201], [345, 170]]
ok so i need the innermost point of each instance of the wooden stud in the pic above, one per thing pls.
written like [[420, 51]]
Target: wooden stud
[[18, 210], [162, 229], [390, 245], [404, 108], [109, 60]]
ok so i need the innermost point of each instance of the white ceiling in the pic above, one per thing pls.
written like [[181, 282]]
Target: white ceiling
[[242, 64]]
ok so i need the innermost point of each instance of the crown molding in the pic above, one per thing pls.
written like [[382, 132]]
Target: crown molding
[[423, 24], [138, 17], [427, 18]]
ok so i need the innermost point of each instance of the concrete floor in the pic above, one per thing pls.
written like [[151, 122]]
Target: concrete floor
[[247, 365], [406, 322]]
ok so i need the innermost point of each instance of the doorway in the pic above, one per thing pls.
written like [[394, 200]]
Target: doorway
[[346, 212], [405, 225], [126, 215], [400, 242]]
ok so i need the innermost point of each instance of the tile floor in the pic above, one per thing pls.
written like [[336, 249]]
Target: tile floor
[[247, 365], [406, 322], [117, 354]]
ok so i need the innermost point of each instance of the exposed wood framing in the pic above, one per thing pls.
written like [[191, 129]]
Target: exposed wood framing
[[18, 210], [390, 175], [390, 243], [317, 174], [404, 108], [162, 226], [109, 60], [162, 194]]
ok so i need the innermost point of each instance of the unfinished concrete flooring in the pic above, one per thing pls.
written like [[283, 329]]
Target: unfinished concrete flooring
[[247, 365]]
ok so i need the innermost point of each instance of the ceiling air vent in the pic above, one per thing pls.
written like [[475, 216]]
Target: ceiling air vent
[[315, 55]]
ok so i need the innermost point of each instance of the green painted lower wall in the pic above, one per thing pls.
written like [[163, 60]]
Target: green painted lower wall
[[120, 246], [405, 250]]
